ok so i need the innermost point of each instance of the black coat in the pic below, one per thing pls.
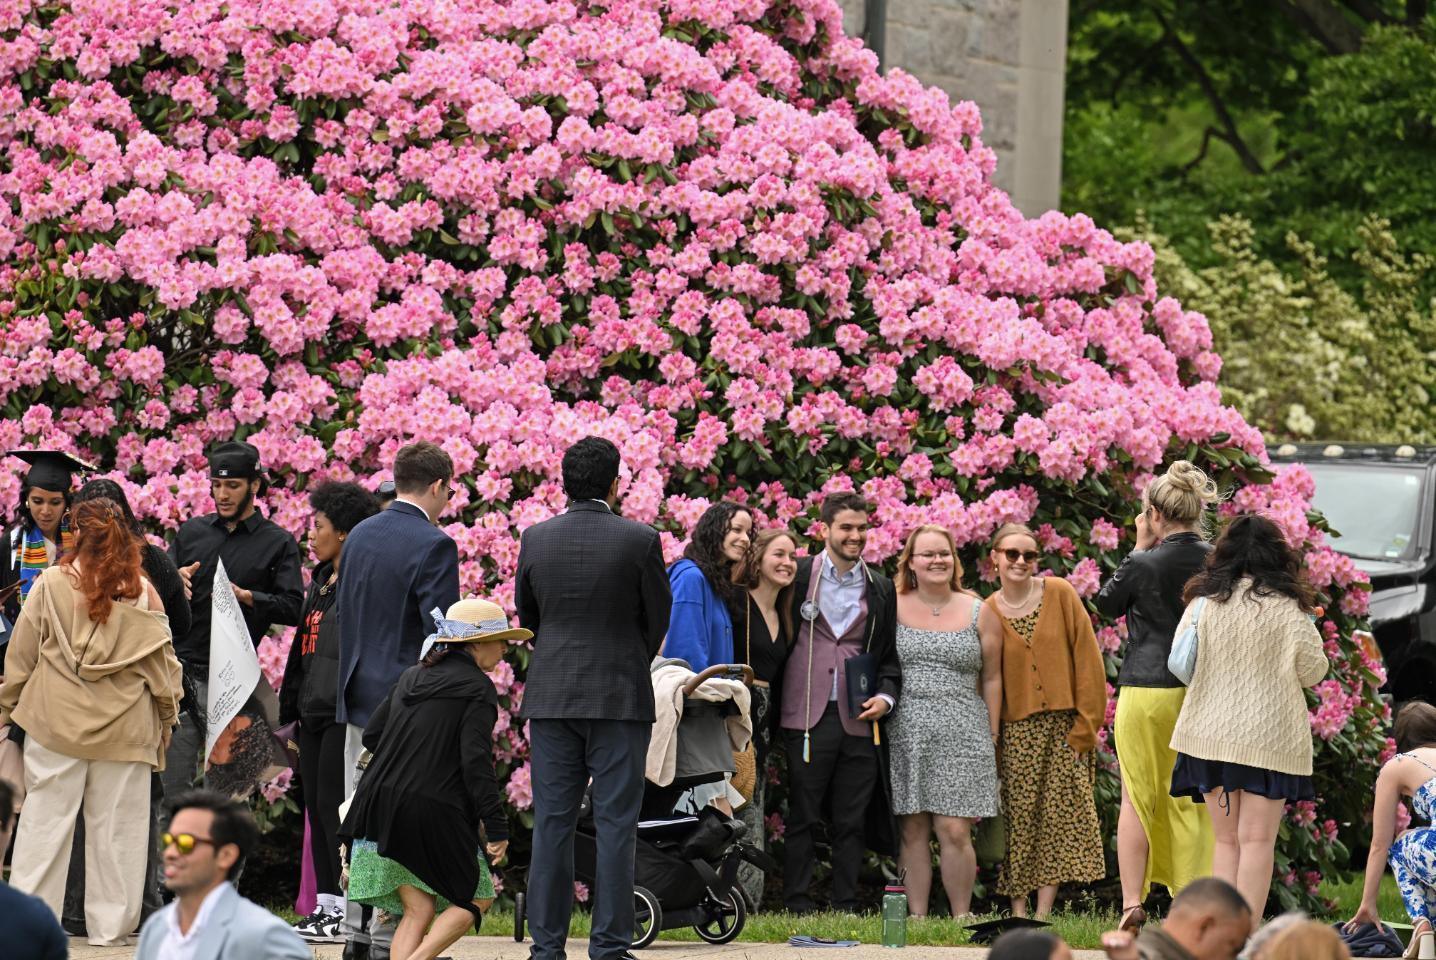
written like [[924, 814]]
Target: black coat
[[432, 740], [1147, 590], [880, 639], [593, 589], [309, 691]]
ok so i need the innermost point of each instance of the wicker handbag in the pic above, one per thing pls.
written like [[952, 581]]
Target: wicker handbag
[[745, 761]]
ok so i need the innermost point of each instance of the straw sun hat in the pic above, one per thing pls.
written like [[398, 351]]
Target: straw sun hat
[[472, 620]]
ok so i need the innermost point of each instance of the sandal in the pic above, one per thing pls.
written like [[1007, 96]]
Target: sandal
[[1133, 919], [1418, 935]]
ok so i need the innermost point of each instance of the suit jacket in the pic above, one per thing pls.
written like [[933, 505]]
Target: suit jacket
[[397, 566], [880, 634], [880, 639], [234, 930], [592, 587]]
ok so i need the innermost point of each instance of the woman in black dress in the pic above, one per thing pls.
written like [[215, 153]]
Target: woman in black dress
[[430, 787], [41, 535], [308, 696], [761, 640]]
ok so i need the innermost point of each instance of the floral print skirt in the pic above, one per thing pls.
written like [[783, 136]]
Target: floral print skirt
[[1053, 835]]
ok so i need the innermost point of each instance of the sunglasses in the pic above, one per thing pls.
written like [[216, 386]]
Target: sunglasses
[[1026, 556], [184, 842]]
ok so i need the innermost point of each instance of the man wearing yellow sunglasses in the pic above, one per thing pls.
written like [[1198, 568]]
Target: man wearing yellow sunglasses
[[206, 842]]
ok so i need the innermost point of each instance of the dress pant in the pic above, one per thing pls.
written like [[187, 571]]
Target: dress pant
[[564, 755], [109, 793], [362, 925], [321, 776], [842, 769], [75, 883]]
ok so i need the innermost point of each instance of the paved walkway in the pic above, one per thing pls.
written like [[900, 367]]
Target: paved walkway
[[504, 948]]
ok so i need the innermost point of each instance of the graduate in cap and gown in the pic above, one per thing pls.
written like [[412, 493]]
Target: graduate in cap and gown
[[41, 534]]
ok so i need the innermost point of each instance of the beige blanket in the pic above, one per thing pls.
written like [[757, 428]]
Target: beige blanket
[[668, 681]]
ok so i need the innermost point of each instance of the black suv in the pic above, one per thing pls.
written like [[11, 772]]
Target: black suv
[[1381, 499]]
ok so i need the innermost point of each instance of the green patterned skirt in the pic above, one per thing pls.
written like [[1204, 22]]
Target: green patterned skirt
[[375, 881]]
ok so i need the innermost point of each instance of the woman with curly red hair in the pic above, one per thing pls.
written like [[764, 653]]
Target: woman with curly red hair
[[92, 679]]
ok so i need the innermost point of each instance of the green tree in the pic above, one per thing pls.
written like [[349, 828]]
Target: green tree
[[1299, 115], [1303, 356]]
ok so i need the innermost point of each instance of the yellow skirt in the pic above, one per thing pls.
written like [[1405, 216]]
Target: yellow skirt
[[1179, 833]]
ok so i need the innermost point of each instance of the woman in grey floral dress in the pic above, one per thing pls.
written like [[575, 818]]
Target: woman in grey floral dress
[[944, 769]]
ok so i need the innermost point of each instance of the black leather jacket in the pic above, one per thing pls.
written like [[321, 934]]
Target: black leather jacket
[[1147, 589]]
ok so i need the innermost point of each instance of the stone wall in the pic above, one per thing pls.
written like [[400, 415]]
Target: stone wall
[[1008, 56]]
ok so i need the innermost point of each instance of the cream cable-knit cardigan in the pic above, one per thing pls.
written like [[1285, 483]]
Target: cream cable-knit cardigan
[[1245, 703]]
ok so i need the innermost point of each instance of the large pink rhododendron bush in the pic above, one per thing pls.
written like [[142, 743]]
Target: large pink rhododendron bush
[[710, 231]]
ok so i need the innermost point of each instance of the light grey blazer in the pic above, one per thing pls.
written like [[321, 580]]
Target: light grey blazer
[[235, 929]]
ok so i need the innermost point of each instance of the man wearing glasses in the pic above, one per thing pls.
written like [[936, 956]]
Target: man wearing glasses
[[398, 566], [208, 837]]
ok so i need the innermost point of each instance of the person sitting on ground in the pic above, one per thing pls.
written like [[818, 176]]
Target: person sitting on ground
[[30, 927], [1209, 920], [1028, 944], [208, 838]]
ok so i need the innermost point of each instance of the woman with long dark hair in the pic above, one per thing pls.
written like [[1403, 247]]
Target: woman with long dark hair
[[92, 678], [308, 696], [763, 639], [41, 533], [1243, 739], [700, 629]]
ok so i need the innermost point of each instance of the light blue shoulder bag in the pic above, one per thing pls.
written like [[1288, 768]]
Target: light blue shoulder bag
[[1182, 661]]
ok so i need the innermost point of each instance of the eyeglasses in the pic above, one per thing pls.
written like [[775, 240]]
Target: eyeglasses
[[448, 493], [931, 555], [183, 842], [1026, 556]]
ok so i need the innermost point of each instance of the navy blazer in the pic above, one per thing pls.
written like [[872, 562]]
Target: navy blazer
[[395, 568], [592, 588]]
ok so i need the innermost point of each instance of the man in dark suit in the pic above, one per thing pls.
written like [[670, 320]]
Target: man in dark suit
[[593, 589], [397, 567], [837, 760]]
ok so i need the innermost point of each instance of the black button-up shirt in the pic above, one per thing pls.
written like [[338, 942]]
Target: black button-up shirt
[[259, 556]]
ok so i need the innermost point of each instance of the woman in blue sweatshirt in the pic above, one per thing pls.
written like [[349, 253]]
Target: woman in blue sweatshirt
[[700, 629]]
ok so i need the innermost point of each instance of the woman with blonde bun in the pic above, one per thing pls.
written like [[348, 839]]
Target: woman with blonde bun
[[1160, 838]]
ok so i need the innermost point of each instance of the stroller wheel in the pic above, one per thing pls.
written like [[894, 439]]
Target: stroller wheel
[[647, 918], [520, 902], [726, 917]]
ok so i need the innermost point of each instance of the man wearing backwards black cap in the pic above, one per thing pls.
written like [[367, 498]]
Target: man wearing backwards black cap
[[262, 561]]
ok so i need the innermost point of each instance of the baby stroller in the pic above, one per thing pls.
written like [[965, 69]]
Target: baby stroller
[[690, 859]]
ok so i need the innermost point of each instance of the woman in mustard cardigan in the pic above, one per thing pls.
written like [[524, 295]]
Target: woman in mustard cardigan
[[1054, 700]]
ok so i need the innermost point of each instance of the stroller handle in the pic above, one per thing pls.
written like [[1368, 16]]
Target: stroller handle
[[728, 671]]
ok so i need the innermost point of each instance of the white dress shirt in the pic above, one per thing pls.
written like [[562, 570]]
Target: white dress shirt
[[181, 946]]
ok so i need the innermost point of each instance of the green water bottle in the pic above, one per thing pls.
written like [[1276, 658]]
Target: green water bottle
[[895, 914]]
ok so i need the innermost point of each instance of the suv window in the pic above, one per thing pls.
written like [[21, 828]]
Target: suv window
[[1376, 508]]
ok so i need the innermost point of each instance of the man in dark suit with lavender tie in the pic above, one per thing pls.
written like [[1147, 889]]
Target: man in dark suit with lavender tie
[[593, 589]]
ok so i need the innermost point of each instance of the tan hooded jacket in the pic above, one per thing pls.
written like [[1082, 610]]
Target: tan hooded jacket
[[92, 691]]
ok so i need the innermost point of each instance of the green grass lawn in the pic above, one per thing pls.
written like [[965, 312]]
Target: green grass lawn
[[1081, 929]]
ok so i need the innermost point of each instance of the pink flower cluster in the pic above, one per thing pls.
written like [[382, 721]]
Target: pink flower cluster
[[713, 233]]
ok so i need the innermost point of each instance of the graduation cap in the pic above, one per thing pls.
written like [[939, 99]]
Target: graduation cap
[[50, 469], [989, 930]]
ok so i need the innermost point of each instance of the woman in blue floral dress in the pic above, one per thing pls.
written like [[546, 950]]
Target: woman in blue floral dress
[[1411, 773]]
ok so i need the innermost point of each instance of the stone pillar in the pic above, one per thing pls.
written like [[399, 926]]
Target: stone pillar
[[1007, 56]]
